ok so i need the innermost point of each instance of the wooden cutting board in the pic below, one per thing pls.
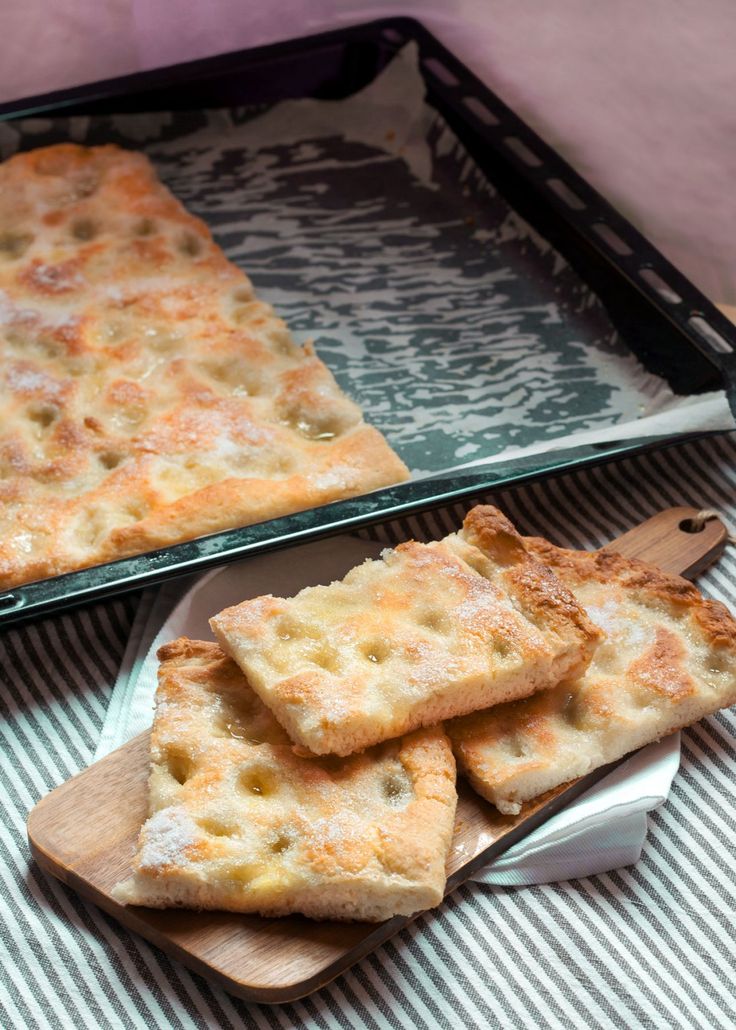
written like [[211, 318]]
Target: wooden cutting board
[[84, 834]]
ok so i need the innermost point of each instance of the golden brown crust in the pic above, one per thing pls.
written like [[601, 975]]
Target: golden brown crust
[[147, 396], [668, 659], [713, 618], [716, 623], [661, 668], [543, 595], [430, 632], [491, 532], [239, 821], [221, 505], [604, 566]]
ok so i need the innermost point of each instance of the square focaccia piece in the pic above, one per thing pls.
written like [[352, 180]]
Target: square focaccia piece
[[428, 632], [147, 396], [240, 822], [668, 659]]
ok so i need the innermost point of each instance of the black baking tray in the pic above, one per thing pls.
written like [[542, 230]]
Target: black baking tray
[[674, 330]]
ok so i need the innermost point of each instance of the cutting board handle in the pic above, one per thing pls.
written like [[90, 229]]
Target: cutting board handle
[[675, 540]]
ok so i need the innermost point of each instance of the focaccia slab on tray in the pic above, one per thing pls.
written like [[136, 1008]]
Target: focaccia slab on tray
[[239, 822], [428, 632], [668, 659], [146, 395]]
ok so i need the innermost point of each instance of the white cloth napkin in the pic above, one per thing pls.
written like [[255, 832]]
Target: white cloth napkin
[[603, 829]]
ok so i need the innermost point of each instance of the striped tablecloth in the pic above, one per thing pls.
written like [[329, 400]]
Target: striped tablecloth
[[648, 946]]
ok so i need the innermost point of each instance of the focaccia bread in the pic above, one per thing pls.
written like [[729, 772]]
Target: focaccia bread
[[428, 632], [146, 395], [238, 821], [667, 660]]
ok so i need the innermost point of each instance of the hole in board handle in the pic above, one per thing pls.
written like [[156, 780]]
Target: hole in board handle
[[9, 602], [710, 335], [440, 72], [521, 150], [481, 112], [691, 526], [393, 36], [614, 241]]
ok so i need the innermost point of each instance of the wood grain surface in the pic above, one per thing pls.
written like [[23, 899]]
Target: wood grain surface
[[84, 833]]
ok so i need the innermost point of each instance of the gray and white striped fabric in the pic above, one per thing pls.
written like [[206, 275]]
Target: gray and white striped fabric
[[648, 946]]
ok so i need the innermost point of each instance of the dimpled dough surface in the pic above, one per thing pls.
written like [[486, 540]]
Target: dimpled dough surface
[[146, 395], [431, 631], [240, 822], [668, 659]]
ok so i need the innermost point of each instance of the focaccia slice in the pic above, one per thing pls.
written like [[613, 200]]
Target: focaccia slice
[[667, 660], [239, 822], [428, 632], [146, 395]]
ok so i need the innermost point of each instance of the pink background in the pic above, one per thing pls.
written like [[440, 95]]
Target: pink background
[[640, 95]]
